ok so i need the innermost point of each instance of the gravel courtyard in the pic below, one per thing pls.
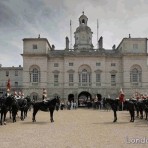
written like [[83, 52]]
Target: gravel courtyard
[[81, 128]]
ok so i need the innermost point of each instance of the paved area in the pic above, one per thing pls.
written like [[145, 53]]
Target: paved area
[[81, 128]]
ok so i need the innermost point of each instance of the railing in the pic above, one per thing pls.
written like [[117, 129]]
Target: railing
[[84, 84]]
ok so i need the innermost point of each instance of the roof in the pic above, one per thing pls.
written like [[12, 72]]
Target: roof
[[37, 39], [91, 52]]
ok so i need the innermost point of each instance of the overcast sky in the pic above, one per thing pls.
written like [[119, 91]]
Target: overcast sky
[[51, 19]]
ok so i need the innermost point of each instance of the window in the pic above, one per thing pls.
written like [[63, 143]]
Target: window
[[7, 73], [84, 78], [71, 79], [135, 76], [34, 46], [135, 46], [16, 84], [98, 64], [34, 75], [98, 79], [113, 79], [83, 21], [56, 64], [16, 73], [56, 79], [113, 64], [70, 64]]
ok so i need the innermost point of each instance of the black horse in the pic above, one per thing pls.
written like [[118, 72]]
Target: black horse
[[22, 103], [130, 106], [28, 106], [49, 105], [7, 104], [114, 103], [145, 102]]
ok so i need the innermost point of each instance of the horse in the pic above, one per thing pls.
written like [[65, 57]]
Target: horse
[[22, 103], [28, 106], [114, 103], [145, 102], [7, 103], [49, 105], [106, 105], [130, 106]]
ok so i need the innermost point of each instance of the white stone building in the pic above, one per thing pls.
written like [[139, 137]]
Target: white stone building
[[84, 71], [15, 74]]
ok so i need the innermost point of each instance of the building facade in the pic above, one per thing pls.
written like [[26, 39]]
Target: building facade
[[83, 71], [15, 74]]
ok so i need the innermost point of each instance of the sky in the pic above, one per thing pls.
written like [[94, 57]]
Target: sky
[[21, 19]]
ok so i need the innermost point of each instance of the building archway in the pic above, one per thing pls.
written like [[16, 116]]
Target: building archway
[[99, 97], [71, 97], [82, 98], [34, 96]]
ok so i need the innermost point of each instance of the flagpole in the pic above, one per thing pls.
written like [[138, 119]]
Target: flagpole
[[70, 35], [97, 32]]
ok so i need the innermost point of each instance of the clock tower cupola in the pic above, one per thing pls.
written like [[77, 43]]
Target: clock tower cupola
[[83, 34]]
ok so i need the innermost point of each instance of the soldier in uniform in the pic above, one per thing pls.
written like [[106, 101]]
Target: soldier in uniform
[[44, 96], [8, 94], [15, 94]]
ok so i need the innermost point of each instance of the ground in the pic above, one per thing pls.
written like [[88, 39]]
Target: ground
[[81, 128]]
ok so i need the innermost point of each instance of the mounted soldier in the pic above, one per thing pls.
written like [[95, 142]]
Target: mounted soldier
[[44, 96]]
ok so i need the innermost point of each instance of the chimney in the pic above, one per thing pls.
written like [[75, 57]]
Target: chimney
[[114, 47], [129, 35], [100, 42], [53, 47], [67, 42]]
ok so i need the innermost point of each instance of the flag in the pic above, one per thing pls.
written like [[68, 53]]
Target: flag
[[121, 95], [8, 85]]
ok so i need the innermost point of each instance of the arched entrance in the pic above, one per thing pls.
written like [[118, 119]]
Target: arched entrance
[[99, 97], [82, 98], [34, 96], [71, 97]]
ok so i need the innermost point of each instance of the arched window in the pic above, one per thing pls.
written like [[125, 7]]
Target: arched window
[[135, 76], [34, 75], [34, 96], [84, 78], [83, 21]]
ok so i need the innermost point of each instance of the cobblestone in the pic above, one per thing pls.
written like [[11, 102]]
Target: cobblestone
[[81, 128]]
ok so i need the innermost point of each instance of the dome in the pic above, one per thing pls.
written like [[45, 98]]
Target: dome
[[83, 19], [83, 28]]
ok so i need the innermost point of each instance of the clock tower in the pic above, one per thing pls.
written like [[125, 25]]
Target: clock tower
[[83, 34]]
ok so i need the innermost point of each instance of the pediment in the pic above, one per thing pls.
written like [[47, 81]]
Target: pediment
[[98, 71], [71, 71], [56, 71]]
